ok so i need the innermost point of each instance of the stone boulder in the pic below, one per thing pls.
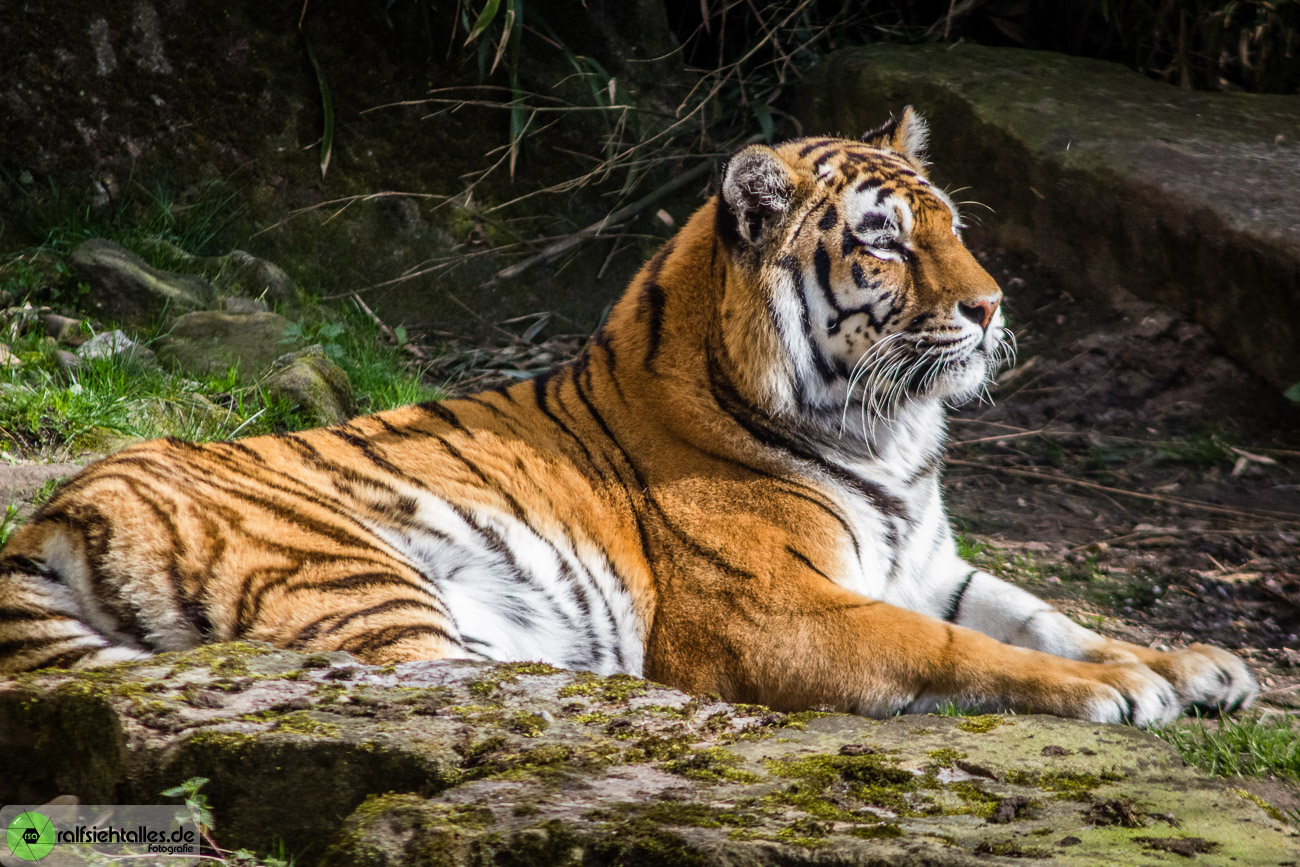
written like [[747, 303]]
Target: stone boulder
[[208, 342], [1112, 179], [238, 274], [111, 344], [459, 762], [246, 275], [317, 385], [124, 288]]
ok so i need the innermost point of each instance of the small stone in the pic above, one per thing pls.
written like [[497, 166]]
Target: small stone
[[313, 382], [66, 360], [61, 328], [7, 357], [255, 278], [110, 344], [1010, 809], [240, 304]]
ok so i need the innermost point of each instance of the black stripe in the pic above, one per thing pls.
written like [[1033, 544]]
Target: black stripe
[[770, 435], [823, 364], [244, 450], [392, 429], [805, 561], [951, 612], [821, 160], [335, 621], [651, 305], [436, 408], [19, 645], [641, 485], [812, 146], [827, 222], [540, 384], [10, 616], [389, 635], [67, 657]]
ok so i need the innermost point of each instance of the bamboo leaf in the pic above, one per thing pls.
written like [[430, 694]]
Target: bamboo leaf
[[484, 20], [506, 31], [327, 106]]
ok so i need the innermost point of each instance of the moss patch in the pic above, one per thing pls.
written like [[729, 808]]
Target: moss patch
[[711, 764], [984, 723]]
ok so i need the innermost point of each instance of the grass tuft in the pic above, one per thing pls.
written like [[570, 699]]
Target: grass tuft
[[1250, 746]]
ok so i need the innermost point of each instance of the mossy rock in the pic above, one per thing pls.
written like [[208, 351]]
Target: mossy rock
[[209, 342], [125, 288], [460, 762], [315, 384]]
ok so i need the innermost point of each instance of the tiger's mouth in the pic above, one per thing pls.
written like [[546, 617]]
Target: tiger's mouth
[[951, 374], [905, 367]]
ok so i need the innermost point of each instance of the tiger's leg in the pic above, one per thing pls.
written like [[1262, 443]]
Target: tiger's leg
[[1202, 675], [382, 612], [41, 626], [97, 587], [809, 643]]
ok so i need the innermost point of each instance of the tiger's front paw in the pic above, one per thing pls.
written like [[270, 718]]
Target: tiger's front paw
[[1129, 692], [1207, 677]]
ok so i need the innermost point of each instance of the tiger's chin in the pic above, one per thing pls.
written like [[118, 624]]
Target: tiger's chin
[[958, 381]]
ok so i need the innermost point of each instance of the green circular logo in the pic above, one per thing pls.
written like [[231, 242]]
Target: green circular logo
[[30, 836]]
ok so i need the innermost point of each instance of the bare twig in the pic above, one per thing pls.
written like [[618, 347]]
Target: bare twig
[[559, 248], [411, 348], [1288, 517]]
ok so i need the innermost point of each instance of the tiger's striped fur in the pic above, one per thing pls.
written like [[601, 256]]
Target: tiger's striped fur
[[735, 489]]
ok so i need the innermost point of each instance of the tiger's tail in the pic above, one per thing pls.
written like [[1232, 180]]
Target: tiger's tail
[[42, 626]]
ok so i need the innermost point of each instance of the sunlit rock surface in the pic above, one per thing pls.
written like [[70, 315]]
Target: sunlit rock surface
[[460, 763]]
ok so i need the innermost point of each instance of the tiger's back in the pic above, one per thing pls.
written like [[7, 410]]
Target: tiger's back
[[735, 488]]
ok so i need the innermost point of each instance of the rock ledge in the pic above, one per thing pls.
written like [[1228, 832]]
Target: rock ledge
[[468, 763]]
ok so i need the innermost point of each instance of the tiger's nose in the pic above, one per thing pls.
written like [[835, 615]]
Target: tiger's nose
[[980, 310]]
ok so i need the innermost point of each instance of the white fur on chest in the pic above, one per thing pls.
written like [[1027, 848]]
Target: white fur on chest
[[904, 554]]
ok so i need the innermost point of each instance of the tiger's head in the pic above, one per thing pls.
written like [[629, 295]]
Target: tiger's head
[[848, 260]]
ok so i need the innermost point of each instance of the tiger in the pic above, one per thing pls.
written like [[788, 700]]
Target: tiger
[[733, 490]]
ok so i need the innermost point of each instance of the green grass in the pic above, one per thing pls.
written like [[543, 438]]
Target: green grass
[[43, 406], [970, 548], [49, 411], [1249, 746], [9, 522], [136, 220], [951, 708], [377, 370]]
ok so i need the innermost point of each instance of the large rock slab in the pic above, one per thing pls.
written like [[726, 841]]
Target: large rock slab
[[208, 342], [474, 763], [125, 288], [1187, 199]]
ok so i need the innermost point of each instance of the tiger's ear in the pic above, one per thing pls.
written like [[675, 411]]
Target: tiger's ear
[[756, 189], [907, 134]]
